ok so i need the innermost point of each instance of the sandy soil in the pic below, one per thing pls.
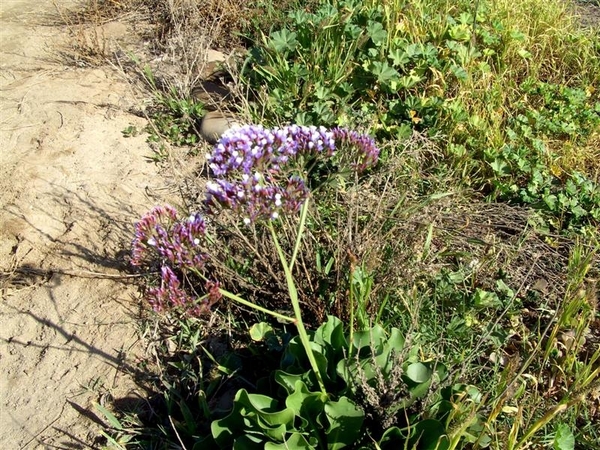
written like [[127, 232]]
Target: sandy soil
[[71, 187]]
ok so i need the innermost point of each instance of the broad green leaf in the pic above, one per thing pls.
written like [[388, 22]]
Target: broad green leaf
[[373, 338], [399, 57], [384, 72], [249, 442], [461, 33], [578, 211], [376, 32], [429, 434], [392, 439], [306, 405], [396, 340], [564, 439], [486, 299], [345, 420], [252, 413], [283, 41], [295, 442], [287, 380], [331, 333], [459, 72], [500, 167], [418, 372]]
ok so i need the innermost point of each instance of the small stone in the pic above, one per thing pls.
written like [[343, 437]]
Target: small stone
[[214, 124]]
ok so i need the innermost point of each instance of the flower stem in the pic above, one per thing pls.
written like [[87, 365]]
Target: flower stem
[[241, 301], [244, 302], [293, 293]]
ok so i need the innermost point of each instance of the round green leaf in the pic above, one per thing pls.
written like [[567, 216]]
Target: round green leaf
[[418, 372]]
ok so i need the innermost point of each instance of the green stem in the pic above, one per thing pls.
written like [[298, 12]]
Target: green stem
[[240, 300], [303, 214], [351, 299], [293, 293], [244, 302]]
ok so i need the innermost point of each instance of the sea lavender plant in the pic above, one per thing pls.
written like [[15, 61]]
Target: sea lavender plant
[[251, 178], [249, 165]]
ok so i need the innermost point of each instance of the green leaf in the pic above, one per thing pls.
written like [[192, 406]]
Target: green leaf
[[564, 439], [486, 299], [114, 422], [459, 72], [396, 340], [345, 420], [376, 32], [399, 57], [283, 41], [375, 338], [500, 167], [249, 442], [392, 439], [295, 442], [418, 372], [287, 380], [308, 406], [578, 211], [331, 334], [461, 33], [259, 331], [525, 54], [384, 72], [252, 413], [429, 434]]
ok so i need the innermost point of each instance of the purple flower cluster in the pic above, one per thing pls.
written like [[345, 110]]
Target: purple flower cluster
[[170, 295], [249, 162], [176, 242], [256, 197], [368, 152], [250, 165], [252, 148]]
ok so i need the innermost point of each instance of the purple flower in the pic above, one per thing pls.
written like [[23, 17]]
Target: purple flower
[[178, 242], [249, 162], [169, 295]]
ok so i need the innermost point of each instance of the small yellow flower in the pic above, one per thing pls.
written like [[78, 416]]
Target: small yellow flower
[[589, 91], [413, 116]]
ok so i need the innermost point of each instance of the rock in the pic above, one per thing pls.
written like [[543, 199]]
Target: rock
[[211, 94], [215, 123]]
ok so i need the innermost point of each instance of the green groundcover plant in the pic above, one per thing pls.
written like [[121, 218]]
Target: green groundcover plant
[[506, 87]]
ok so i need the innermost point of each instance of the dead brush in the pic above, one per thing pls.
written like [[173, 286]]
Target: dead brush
[[87, 46]]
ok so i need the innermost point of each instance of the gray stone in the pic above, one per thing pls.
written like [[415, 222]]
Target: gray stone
[[215, 123]]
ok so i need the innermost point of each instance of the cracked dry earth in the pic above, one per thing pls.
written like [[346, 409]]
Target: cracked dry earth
[[71, 187]]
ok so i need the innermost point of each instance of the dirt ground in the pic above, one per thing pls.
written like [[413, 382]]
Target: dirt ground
[[71, 187]]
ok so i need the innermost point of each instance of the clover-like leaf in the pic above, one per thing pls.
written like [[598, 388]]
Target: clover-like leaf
[[283, 41], [384, 72], [259, 331], [376, 32]]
